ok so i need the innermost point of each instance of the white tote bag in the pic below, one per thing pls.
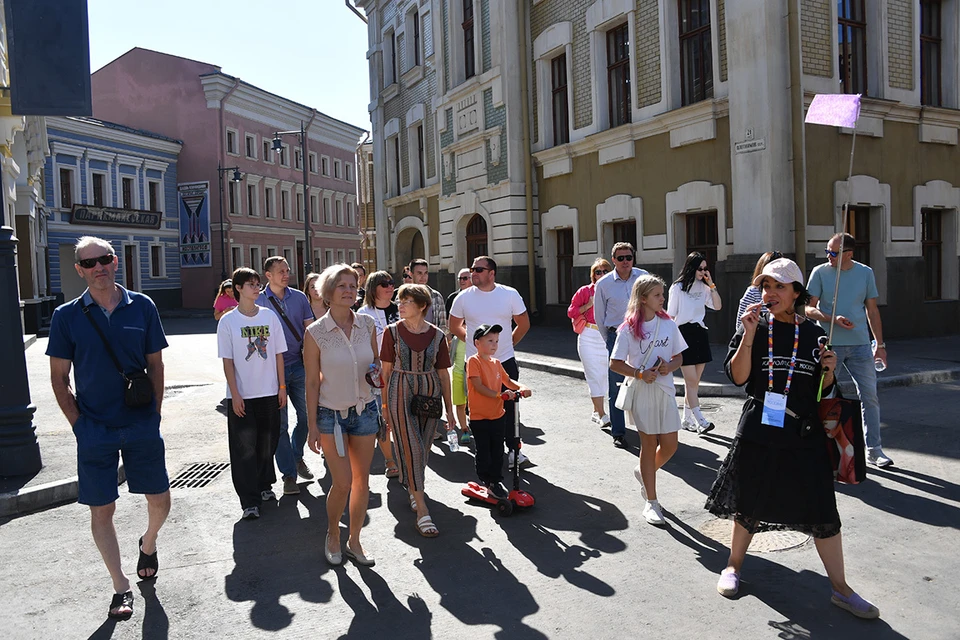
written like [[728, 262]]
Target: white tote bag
[[627, 394]]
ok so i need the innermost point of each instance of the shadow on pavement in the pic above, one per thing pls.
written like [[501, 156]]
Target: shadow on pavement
[[386, 616], [265, 567], [156, 624], [802, 598], [556, 509], [105, 630], [904, 505]]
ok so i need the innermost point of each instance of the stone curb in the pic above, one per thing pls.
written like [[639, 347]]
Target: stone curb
[[714, 390], [44, 496]]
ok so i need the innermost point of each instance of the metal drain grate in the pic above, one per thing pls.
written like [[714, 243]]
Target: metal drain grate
[[199, 475]]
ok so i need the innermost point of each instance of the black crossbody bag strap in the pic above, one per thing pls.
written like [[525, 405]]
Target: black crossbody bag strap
[[113, 356], [285, 318]]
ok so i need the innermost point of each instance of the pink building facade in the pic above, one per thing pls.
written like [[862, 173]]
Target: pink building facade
[[226, 122]]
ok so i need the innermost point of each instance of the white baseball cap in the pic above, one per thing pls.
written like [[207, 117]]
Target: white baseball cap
[[782, 270]]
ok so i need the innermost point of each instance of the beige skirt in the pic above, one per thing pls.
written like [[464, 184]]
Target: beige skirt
[[654, 410]]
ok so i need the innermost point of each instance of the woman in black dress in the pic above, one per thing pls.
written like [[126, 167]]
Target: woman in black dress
[[777, 474]]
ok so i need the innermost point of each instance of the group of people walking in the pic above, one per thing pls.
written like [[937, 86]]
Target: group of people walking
[[777, 474], [360, 370]]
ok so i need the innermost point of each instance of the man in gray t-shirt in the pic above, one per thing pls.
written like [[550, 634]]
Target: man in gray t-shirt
[[856, 316]]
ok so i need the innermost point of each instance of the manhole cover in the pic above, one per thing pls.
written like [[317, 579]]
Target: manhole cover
[[705, 407], [764, 542], [199, 475]]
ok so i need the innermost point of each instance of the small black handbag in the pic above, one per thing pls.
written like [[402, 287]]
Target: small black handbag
[[426, 407]]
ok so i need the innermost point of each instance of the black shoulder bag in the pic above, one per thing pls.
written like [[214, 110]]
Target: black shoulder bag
[[139, 388], [290, 326]]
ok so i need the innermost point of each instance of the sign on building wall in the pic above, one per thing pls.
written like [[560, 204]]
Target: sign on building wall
[[111, 217], [193, 202]]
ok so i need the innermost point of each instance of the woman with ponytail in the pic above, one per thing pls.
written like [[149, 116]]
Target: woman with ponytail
[[648, 350]]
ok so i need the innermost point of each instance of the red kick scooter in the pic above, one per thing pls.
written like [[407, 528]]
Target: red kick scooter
[[517, 497]]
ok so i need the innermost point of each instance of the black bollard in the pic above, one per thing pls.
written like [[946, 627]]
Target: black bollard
[[19, 449]]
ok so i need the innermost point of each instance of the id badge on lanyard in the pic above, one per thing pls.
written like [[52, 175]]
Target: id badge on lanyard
[[774, 408], [775, 404]]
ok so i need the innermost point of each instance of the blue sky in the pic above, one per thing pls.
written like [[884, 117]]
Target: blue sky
[[311, 51]]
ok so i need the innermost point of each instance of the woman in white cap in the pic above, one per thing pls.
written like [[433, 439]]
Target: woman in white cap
[[778, 473]]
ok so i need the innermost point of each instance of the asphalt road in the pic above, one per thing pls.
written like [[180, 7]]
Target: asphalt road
[[581, 563]]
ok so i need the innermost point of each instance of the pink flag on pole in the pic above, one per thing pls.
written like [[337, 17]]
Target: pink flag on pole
[[834, 109]]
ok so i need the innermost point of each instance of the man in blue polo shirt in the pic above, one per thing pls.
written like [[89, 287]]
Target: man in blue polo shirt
[[610, 299], [295, 314], [103, 424]]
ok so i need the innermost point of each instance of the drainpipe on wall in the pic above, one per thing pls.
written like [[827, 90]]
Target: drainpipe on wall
[[222, 162], [354, 9], [798, 136], [362, 216], [525, 152]]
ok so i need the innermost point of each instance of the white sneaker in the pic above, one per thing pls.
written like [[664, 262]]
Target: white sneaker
[[643, 489], [690, 424], [595, 418], [878, 458], [704, 425], [605, 420], [268, 495], [653, 515], [524, 460]]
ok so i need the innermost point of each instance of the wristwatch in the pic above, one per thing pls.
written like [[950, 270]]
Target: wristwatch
[[882, 345]]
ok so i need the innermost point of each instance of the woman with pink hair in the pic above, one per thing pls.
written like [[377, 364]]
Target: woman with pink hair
[[648, 350]]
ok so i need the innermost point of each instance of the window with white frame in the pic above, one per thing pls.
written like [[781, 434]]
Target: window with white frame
[[312, 161], [233, 148], [413, 39], [352, 256], [157, 266], [560, 113], [341, 255], [271, 251], [251, 145], [325, 165], [236, 254], [393, 166], [285, 156], [154, 198], [233, 197], [350, 218], [128, 191], [348, 171], [618, 75], [338, 205], [288, 256], [468, 34], [284, 204], [268, 203], [328, 257], [314, 214], [696, 51], [69, 187], [296, 159], [99, 188], [336, 169], [255, 262], [252, 200], [300, 207], [326, 211], [389, 58], [267, 151], [316, 261]]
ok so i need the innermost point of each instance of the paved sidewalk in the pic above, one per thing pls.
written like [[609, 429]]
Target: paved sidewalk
[[912, 362]]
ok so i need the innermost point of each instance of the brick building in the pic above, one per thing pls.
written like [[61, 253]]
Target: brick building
[[226, 122], [678, 125]]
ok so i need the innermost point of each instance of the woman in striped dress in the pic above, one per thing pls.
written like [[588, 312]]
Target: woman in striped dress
[[415, 361]]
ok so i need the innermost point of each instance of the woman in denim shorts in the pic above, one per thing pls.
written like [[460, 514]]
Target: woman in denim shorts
[[342, 411]]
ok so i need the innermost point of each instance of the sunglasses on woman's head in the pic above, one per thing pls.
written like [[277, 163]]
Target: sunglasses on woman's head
[[90, 263]]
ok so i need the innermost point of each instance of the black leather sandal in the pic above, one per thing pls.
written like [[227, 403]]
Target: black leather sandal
[[121, 600], [147, 562]]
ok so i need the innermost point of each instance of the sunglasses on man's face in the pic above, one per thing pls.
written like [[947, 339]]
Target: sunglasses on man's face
[[480, 269], [834, 254], [624, 258], [90, 263]]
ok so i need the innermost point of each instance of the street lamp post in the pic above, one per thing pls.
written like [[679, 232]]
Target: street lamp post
[[223, 233], [278, 147]]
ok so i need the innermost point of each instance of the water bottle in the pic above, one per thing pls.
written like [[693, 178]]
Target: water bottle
[[373, 377], [878, 362], [453, 441]]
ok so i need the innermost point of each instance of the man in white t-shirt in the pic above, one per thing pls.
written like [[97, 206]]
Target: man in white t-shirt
[[251, 343], [487, 302]]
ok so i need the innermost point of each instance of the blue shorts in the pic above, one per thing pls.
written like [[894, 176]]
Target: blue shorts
[[99, 448], [366, 424]]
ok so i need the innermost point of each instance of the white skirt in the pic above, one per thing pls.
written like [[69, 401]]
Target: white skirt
[[596, 361], [654, 410]]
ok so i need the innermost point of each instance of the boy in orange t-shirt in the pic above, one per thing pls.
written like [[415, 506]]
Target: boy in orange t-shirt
[[485, 377]]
